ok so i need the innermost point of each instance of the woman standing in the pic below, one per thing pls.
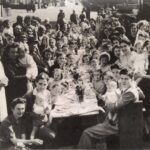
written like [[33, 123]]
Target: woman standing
[[3, 83], [16, 74]]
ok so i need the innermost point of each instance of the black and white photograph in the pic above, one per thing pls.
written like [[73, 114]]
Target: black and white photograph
[[74, 74]]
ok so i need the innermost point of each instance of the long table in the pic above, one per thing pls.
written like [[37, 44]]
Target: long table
[[69, 129], [71, 117]]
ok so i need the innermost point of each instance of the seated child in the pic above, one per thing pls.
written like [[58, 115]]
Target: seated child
[[94, 65], [41, 110], [58, 76], [98, 83], [42, 105], [54, 84], [111, 96]]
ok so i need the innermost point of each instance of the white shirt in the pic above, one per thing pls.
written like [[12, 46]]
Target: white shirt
[[140, 62]]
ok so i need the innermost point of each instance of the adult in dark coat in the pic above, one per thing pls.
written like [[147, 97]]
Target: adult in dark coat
[[19, 22], [60, 19], [16, 74], [82, 16], [73, 17]]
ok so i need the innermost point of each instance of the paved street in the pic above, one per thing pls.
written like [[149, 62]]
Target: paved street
[[50, 12]]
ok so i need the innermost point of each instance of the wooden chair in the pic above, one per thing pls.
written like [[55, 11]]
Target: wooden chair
[[130, 119], [131, 126]]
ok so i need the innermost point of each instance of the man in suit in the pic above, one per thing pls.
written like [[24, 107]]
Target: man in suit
[[129, 94]]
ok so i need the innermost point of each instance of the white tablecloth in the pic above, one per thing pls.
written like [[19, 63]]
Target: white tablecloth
[[68, 104]]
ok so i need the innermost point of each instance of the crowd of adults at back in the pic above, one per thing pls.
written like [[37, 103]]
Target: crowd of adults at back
[[39, 63]]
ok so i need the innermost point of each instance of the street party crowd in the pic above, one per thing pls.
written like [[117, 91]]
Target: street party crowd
[[78, 66]]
